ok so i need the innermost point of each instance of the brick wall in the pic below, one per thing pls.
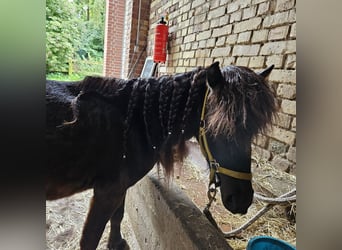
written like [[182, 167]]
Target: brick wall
[[113, 44], [124, 53], [253, 33], [135, 48]]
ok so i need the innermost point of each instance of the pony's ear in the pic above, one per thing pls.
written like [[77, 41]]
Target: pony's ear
[[214, 75], [265, 73]]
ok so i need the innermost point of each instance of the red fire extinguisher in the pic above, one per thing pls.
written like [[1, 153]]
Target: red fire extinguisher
[[160, 41]]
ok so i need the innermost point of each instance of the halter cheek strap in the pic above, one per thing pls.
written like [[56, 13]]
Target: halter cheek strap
[[215, 166]]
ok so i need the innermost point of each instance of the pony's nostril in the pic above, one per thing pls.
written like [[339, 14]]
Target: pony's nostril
[[229, 199]]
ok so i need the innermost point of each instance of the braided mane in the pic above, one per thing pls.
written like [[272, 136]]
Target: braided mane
[[165, 105]]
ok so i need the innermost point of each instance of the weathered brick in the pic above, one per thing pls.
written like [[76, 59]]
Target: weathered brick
[[249, 12], [220, 52], [202, 44], [200, 18], [208, 61], [259, 36], [185, 8], [291, 154], [191, 29], [280, 47], [293, 169], [279, 75], [256, 62], [290, 62], [202, 26], [215, 23], [194, 45], [203, 8], [189, 38], [211, 42], [284, 5], [163, 69], [250, 24], [293, 31], [287, 91], [277, 60], [244, 37], [278, 33], [177, 55], [233, 6], [221, 41], [283, 120], [242, 61], [200, 62], [203, 53], [246, 50], [235, 17], [197, 3], [263, 8], [193, 62], [217, 12], [225, 30], [293, 124], [203, 35], [188, 54], [244, 3], [288, 107], [213, 3], [224, 20], [229, 61], [283, 135], [231, 39], [279, 18], [184, 16], [180, 69], [184, 32], [185, 62]]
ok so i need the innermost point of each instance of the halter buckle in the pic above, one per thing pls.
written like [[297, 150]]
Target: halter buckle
[[202, 124], [213, 164]]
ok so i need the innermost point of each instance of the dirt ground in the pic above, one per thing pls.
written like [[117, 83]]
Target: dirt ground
[[65, 217]]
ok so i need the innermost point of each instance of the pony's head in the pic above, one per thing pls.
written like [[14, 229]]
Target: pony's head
[[239, 105]]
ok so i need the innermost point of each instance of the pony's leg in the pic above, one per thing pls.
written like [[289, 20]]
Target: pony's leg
[[102, 207], [116, 242]]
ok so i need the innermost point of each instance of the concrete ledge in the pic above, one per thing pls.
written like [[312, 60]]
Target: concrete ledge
[[163, 217]]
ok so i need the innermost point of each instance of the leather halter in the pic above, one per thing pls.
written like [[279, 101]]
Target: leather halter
[[215, 167]]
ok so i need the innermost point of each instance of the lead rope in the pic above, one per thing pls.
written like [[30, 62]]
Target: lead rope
[[211, 195]]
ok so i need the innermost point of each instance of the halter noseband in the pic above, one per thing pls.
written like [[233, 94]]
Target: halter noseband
[[215, 167]]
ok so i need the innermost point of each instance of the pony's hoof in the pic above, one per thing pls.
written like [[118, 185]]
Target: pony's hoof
[[121, 245]]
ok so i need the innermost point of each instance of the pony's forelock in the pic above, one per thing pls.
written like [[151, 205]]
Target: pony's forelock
[[244, 104]]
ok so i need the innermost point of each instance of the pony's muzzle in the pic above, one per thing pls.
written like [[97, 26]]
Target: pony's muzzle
[[238, 203]]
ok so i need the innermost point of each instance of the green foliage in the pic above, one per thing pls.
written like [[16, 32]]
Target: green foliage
[[64, 77], [61, 34], [87, 67], [72, 27]]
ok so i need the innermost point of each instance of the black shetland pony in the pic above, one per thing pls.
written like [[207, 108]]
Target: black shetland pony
[[107, 133]]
